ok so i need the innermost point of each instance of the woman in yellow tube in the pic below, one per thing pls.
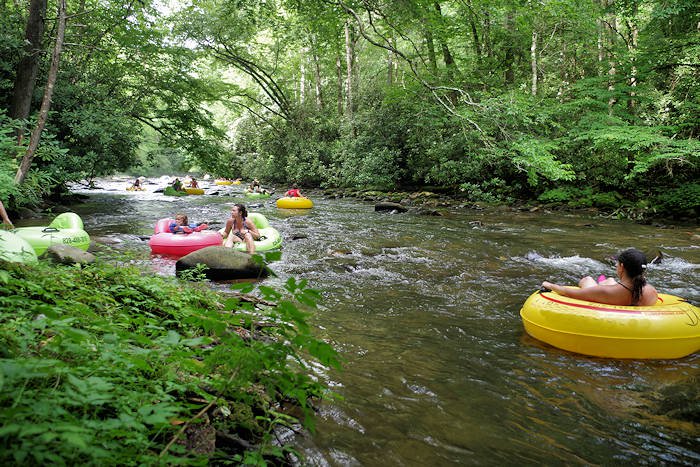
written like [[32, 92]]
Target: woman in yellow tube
[[631, 289]]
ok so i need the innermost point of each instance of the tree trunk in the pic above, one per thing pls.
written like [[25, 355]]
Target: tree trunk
[[317, 77], [564, 72], [349, 54], [601, 48], [302, 76], [430, 45], [612, 66], [487, 34], [510, 48], [25, 79], [46, 101], [475, 37], [339, 70], [390, 68], [446, 54], [533, 62], [632, 44], [391, 64]]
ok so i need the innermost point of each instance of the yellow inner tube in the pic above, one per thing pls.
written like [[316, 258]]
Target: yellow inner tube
[[299, 202], [194, 191], [669, 329]]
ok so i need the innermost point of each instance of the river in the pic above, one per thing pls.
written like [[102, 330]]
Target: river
[[438, 369]]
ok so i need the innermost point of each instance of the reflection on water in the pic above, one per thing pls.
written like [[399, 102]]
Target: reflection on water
[[425, 312]]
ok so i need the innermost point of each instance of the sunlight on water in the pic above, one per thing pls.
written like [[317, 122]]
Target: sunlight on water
[[425, 312]]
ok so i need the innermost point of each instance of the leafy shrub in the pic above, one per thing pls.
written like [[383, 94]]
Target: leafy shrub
[[100, 363], [684, 200], [563, 194], [606, 200]]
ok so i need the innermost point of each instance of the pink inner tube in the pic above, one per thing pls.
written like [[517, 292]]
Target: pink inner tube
[[163, 242]]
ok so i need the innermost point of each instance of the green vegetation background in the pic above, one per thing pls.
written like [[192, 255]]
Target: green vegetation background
[[577, 103]]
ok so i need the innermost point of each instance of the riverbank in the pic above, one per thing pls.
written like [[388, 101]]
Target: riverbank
[[434, 202], [102, 363]]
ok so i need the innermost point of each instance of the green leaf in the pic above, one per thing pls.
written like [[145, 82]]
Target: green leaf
[[243, 287], [75, 439], [271, 256]]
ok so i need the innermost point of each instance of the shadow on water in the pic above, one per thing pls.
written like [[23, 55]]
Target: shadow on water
[[425, 311]]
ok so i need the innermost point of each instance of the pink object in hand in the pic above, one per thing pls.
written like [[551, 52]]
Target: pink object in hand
[[601, 278]]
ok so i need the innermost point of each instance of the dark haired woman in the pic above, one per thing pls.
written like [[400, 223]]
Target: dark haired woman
[[240, 229], [631, 288]]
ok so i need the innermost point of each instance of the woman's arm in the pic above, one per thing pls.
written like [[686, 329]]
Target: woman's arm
[[598, 293], [252, 228], [227, 227]]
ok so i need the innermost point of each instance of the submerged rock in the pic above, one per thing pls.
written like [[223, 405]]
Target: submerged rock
[[223, 264], [389, 206], [681, 400]]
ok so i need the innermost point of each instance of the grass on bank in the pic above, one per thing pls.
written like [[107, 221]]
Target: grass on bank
[[103, 365]]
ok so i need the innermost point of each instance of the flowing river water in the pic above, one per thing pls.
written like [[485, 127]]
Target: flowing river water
[[424, 310]]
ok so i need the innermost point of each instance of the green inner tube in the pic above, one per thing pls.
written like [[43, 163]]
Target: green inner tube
[[66, 229], [256, 195], [170, 191], [15, 249]]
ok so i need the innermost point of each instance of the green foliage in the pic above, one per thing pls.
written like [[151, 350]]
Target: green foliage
[[681, 201], [101, 363], [559, 195], [38, 184], [8, 164], [454, 103], [121, 74], [476, 192], [535, 158], [581, 197], [195, 274], [643, 148]]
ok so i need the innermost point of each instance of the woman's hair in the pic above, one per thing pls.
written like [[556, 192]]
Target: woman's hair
[[181, 216], [635, 263], [242, 210]]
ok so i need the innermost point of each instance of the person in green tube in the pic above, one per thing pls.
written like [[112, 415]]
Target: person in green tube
[[239, 228]]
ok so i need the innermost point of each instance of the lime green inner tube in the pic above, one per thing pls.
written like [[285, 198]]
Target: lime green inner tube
[[255, 194], [170, 191], [66, 229], [15, 249]]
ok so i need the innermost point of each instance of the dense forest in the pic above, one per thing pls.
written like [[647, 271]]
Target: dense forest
[[592, 103]]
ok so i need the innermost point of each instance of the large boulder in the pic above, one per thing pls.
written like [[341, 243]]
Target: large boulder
[[223, 264], [67, 254]]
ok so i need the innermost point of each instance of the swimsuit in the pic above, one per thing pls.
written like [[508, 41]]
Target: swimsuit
[[237, 232], [630, 290]]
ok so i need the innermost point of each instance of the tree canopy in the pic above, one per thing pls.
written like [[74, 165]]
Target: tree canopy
[[589, 103]]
